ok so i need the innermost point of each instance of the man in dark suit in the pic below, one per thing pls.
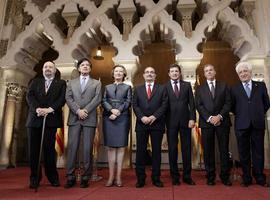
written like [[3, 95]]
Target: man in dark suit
[[149, 104], [83, 95], [250, 104], [45, 97], [213, 103], [181, 117]]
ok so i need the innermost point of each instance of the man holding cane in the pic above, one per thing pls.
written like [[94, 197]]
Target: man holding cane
[[45, 97]]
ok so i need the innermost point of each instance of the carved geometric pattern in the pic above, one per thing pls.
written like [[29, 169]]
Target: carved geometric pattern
[[15, 90]]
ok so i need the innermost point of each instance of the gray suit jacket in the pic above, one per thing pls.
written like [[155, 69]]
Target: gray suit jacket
[[116, 96], [88, 99]]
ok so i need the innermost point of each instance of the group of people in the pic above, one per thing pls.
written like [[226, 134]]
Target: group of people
[[171, 106]]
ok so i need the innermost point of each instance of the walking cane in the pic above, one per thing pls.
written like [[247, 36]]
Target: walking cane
[[40, 150]]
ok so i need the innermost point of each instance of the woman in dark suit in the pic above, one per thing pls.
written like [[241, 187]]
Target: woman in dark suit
[[116, 122]]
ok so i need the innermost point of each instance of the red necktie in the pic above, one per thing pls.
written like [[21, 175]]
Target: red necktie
[[149, 91]]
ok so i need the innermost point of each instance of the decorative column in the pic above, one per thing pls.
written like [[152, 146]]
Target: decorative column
[[247, 9], [186, 11], [17, 127], [126, 9], [70, 14], [13, 91]]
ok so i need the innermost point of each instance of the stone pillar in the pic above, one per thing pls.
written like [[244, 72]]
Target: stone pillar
[[126, 9], [3, 7], [70, 14], [17, 127], [3, 92], [13, 91], [127, 23], [247, 9], [186, 11]]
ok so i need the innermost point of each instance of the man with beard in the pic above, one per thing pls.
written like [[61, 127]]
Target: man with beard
[[45, 97]]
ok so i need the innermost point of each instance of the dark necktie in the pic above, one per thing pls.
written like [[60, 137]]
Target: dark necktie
[[247, 89], [212, 89], [176, 89], [149, 92]]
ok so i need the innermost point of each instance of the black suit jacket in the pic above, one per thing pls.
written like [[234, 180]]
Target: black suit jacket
[[55, 98], [207, 105], [182, 109], [250, 110], [156, 106]]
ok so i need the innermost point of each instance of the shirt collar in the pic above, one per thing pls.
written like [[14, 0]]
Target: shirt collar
[[172, 81], [81, 77], [48, 79], [151, 84], [249, 83], [209, 82]]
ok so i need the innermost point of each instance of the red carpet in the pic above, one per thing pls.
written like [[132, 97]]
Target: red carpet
[[14, 185]]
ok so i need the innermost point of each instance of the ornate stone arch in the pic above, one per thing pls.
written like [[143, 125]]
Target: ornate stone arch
[[234, 30]]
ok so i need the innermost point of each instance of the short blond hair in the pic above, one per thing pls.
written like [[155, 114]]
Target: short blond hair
[[243, 64]]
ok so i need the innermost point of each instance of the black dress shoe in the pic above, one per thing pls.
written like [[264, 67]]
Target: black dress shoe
[[140, 184], [157, 183], [246, 183], [70, 183], [226, 182], [211, 182], [175, 181], [33, 183], [263, 184], [55, 183], [84, 184], [189, 181]]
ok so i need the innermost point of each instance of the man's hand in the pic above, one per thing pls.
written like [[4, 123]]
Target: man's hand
[[145, 120], [215, 120], [115, 112], [82, 113], [191, 124], [44, 111], [152, 119], [112, 117]]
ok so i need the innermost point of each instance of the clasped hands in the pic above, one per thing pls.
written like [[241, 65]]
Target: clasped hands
[[215, 120], [43, 111], [148, 120], [82, 114], [115, 114]]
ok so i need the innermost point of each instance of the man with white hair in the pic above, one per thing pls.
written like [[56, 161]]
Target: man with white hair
[[250, 103]]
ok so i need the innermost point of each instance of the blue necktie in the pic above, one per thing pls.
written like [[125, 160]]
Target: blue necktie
[[247, 89]]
